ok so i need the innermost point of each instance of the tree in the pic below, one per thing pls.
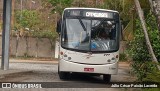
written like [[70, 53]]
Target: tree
[[154, 4], [141, 16], [59, 5]]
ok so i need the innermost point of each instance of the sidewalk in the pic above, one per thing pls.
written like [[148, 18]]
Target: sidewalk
[[14, 71]]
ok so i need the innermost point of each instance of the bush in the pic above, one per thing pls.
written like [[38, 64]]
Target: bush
[[122, 57], [151, 89], [154, 34], [152, 77]]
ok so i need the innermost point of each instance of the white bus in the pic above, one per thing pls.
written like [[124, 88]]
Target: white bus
[[89, 42]]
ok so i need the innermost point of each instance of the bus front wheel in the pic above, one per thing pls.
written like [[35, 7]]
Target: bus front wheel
[[106, 78], [64, 75]]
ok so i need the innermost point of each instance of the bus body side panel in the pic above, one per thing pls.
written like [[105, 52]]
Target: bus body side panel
[[57, 48]]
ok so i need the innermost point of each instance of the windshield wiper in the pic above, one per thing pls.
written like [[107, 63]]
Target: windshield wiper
[[82, 24]]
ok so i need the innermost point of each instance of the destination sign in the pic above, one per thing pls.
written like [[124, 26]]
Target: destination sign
[[90, 13], [96, 14]]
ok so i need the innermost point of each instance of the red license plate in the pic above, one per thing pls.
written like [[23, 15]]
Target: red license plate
[[89, 69]]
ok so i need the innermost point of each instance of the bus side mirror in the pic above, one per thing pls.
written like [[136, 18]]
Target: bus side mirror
[[58, 30]]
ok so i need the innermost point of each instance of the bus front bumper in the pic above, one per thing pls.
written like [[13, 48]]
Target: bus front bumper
[[67, 66]]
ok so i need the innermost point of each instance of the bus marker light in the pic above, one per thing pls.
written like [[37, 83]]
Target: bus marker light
[[89, 69], [117, 56], [61, 53]]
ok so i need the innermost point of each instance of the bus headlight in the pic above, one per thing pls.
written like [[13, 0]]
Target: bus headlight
[[65, 55], [113, 58], [69, 58], [108, 60]]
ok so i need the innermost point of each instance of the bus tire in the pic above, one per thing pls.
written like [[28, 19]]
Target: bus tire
[[63, 75], [106, 78]]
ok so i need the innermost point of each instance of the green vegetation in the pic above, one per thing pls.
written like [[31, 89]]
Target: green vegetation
[[125, 8], [27, 19], [122, 57], [139, 53], [152, 77], [59, 5], [151, 89], [30, 22]]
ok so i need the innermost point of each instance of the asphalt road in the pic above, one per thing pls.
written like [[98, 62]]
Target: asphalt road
[[48, 72]]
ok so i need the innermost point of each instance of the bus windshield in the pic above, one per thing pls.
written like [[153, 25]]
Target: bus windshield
[[91, 35]]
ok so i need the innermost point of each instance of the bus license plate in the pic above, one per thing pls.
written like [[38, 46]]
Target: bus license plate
[[89, 69]]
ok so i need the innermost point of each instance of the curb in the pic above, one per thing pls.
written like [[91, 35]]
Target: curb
[[33, 61], [4, 73]]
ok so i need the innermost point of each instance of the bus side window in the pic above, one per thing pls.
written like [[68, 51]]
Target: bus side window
[[58, 30]]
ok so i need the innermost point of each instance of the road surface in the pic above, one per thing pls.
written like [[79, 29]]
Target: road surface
[[48, 72]]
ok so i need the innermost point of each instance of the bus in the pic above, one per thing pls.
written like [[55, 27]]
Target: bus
[[89, 40]]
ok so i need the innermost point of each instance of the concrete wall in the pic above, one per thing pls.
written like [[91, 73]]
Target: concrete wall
[[44, 48]]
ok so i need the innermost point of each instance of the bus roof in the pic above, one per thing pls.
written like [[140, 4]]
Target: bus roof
[[92, 9]]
